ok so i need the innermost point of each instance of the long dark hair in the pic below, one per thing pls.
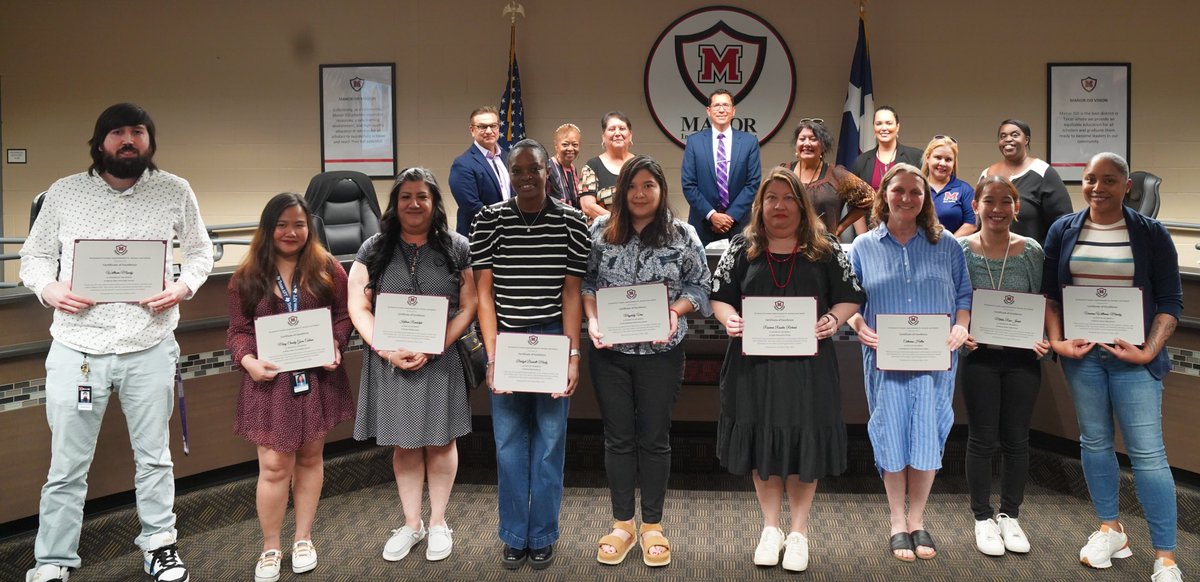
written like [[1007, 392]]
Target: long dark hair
[[255, 276], [390, 229], [618, 231]]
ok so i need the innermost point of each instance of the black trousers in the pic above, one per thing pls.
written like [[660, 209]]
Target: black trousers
[[1000, 387], [636, 395]]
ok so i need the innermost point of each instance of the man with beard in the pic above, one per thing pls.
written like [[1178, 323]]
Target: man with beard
[[122, 349]]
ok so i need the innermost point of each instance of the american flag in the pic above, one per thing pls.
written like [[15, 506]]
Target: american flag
[[512, 113]]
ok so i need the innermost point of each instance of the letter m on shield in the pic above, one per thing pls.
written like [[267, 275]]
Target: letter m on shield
[[717, 64]]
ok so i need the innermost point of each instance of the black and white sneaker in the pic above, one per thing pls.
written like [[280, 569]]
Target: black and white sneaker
[[163, 562], [48, 573]]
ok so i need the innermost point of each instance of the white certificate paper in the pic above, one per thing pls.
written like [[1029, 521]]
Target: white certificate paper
[[634, 313], [527, 362], [779, 326], [1007, 318], [119, 271], [414, 322], [1102, 314], [296, 341], [912, 342]]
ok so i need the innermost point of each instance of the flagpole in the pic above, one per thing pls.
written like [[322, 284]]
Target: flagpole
[[512, 116]]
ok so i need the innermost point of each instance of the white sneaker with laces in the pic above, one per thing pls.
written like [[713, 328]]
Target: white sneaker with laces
[[769, 546], [1103, 545], [267, 568], [304, 556], [401, 542], [163, 561], [795, 553], [1166, 573], [47, 573], [1013, 535], [988, 537], [439, 543]]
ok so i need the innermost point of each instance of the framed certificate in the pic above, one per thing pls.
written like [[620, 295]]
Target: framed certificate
[[1007, 318], [913, 342], [1087, 111], [119, 271], [414, 322], [527, 362], [358, 118], [634, 313], [297, 340], [1102, 314], [779, 326]]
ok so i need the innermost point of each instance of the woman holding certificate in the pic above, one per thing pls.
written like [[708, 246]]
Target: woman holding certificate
[[639, 250], [781, 417], [412, 399], [1000, 383], [1113, 251], [287, 414], [530, 254], [916, 317]]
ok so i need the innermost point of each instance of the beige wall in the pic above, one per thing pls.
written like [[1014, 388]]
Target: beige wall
[[233, 84]]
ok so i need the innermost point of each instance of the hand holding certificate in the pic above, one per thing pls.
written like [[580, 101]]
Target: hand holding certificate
[[779, 326], [1103, 314], [118, 271], [297, 340], [416, 323], [912, 342], [1007, 318], [634, 313], [531, 362]]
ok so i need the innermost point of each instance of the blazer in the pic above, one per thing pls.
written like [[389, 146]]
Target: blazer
[[864, 166], [474, 185], [699, 179]]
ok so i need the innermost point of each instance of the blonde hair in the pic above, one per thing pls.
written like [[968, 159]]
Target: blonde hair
[[927, 220], [934, 144], [564, 128]]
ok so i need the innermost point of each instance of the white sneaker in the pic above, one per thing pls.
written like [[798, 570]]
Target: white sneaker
[[401, 542], [1162, 574], [795, 553], [988, 537], [51, 573], [304, 556], [1103, 545], [439, 543], [769, 546], [1013, 535], [267, 568], [163, 561]]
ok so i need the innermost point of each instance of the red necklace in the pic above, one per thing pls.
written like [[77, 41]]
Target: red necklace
[[791, 268]]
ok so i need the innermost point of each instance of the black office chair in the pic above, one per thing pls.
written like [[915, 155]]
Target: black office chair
[[345, 210], [36, 208], [1143, 196]]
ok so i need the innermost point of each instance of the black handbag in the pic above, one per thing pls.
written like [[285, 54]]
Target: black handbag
[[473, 356]]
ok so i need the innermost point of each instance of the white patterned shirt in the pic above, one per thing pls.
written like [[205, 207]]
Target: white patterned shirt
[[159, 206]]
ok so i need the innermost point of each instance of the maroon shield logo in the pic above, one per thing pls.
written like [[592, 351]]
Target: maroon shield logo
[[1088, 84], [533, 340], [1101, 292], [293, 321], [357, 84], [412, 300], [720, 57], [778, 306], [1009, 299], [631, 294], [121, 249], [913, 320]]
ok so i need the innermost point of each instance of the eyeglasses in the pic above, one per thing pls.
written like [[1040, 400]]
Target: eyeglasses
[[721, 106], [813, 120], [491, 126], [946, 137]]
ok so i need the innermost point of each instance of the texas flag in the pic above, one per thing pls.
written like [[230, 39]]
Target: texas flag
[[858, 115]]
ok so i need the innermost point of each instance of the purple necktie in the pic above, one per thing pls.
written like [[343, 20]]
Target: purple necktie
[[722, 173]]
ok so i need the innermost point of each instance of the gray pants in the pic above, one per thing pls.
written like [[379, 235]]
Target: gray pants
[[144, 381]]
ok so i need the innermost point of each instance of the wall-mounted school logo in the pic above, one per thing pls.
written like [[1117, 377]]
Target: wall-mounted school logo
[[778, 306], [1009, 299], [293, 321], [1101, 292], [720, 47], [913, 320], [533, 340], [357, 84], [1088, 84], [631, 294], [412, 299], [121, 249]]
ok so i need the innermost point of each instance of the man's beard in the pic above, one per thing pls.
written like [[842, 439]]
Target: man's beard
[[125, 168]]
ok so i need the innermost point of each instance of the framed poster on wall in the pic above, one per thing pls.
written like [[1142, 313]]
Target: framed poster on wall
[[358, 118], [1087, 113]]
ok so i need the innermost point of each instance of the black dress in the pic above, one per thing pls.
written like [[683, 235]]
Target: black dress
[[782, 415]]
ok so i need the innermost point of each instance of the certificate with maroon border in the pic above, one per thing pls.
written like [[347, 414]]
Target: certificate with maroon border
[[912, 342], [118, 271], [296, 340], [634, 313], [779, 326], [1103, 314], [1007, 318], [531, 362], [416, 323]]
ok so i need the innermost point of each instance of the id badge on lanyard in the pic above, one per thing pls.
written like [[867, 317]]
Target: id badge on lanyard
[[292, 303]]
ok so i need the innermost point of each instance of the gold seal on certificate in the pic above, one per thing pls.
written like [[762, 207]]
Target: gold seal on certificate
[[297, 340], [634, 313], [528, 362], [414, 322], [779, 326], [914, 342], [1103, 314], [1007, 318], [119, 271]]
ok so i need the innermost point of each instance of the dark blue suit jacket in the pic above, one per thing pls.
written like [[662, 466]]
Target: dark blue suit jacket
[[474, 185], [699, 178]]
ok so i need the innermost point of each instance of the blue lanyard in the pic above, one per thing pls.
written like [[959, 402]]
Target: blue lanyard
[[292, 302]]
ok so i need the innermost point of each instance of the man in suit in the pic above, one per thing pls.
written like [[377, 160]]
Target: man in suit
[[479, 176], [721, 172]]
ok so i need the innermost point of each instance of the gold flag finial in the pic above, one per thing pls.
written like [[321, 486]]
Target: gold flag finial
[[512, 10]]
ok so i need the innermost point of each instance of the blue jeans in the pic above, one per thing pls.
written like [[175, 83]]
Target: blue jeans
[[1102, 386], [531, 438]]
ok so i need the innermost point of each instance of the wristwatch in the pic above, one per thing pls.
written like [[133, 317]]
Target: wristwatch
[[573, 353]]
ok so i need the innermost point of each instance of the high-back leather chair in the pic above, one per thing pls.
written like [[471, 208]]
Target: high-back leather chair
[[36, 208], [1143, 196], [345, 209]]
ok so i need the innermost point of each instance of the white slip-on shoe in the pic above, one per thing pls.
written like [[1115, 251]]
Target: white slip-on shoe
[[1012, 534], [267, 568], [769, 546], [1103, 545], [1166, 573], [439, 543], [795, 552], [304, 556], [48, 573], [401, 542], [988, 538]]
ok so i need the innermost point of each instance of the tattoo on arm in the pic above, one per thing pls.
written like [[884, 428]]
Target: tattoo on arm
[[1162, 328]]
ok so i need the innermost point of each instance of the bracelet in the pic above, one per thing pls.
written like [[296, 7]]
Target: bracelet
[[836, 323], [574, 353], [675, 311]]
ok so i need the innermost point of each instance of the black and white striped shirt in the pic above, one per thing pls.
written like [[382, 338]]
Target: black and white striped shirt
[[530, 256]]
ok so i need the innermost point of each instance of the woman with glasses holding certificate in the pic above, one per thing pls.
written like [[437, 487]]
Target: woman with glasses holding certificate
[[915, 277], [834, 191], [637, 250], [412, 399], [781, 415], [1113, 251], [287, 414]]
